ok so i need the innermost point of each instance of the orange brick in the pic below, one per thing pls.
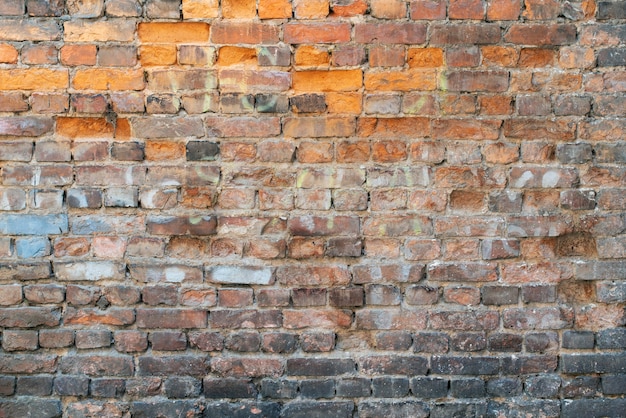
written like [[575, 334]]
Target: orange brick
[[425, 57], [238, 9], [354, 8], [501, 56], [312, 56], [495, 105], [536, 57], [200, 9], [80, 54], [162, 54], [164, 150], [401, 80], [311, 9], [34, 79], [388, 9], [8, 54], [341, 80], [179, 32], [348, 103], [122, 129], [275, 9], [108, 79], [503, 9], [232, 55], [84, 127]]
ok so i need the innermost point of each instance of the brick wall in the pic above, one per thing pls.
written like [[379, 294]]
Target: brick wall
[[312, 208]]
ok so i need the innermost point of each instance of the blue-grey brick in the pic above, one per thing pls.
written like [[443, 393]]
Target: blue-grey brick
[[339, 409], [317, 388], [594, 363], [353, 388], [429, 387], [228, 388], [182, 387], [465, 365], [31, 407], [107, 388], [459, 409], [612, 9], [71, 385], [242, 410], [279, 389], [614, 338], [614, 384], [611, 153], [14, 224], [600, 270], [578, 339], [34, 386], [611, 292], [524, 409], [390, 387], [612, 57], [545, 386], [391, 409], [121, 197], [574, 153], [467, 388], [32, 247], [592, 408], [166, 409], [504, 387]]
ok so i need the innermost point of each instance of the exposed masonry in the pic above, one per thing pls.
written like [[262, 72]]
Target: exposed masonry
[[354, 208]]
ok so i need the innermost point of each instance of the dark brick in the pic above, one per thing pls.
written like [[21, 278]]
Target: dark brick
[[465, 365], [578, 339], [538, 293], [317, 389], [242, 409], [611, 10], [390, 387], [524, 408], [166, 409], [504, 387], [308, 103], [593, 408], [429, 387], [579, 200], [87, 339], [393, 409], [319, 366], [107, 388], [468, 341], [402, 365], [245, 341], [71, 385], [202, 151], [308, 297], [430, 342], [278, 342], [173, 365], [505, 342], [353, 388], [182, 387], [339, 409], [393, 340], [539, 342], [350, 296], [228, 388], [34, 386], [128, 151], [574, 153], [614, 384], [610, 153], [526, 364], [611, 338], [279, 389], [467, 388], [458, 409], [97, 365], [543, 386], [206, 341], [168, 340], [593, 363], [612, 57], [7, 385], [582, 386], [312, 342], [28, 407]]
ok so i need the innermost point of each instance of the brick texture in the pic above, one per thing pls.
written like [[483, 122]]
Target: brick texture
[[312, 208]]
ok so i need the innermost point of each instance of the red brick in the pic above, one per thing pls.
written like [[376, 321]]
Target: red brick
[[317, 33], [390, 33], [244, 33], [466, 9], [540, 35]]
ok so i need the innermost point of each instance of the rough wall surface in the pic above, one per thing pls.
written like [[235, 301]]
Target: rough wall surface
[[354, 208]]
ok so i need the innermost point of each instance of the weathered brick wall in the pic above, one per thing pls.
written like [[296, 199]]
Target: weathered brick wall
[[312, 208]]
